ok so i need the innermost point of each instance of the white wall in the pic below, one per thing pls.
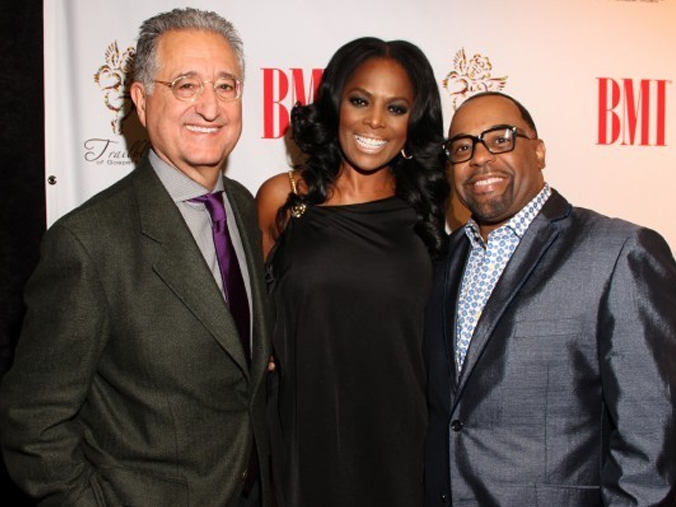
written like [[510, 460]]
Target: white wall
[[553, 55]]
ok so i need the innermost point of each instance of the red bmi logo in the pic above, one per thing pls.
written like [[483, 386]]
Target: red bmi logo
[[281, 90], [632, 111]]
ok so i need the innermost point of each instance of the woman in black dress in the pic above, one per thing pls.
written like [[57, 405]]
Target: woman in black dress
[[349, 239]]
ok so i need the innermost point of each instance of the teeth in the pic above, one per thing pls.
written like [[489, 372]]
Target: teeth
[[204, 130], [488, 181], [370, 142]]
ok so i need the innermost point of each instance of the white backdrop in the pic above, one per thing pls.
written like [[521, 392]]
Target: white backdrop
[[597, 75]]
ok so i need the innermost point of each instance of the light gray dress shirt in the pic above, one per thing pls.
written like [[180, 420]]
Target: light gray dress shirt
[[182, 188]]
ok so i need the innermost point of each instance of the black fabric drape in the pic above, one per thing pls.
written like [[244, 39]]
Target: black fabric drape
[[22, 198]]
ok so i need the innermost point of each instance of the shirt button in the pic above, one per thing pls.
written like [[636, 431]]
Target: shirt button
[[444, 498], [456, 425]]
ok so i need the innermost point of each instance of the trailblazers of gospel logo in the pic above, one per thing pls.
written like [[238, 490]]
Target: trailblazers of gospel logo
[[114, 79], [471, 76]]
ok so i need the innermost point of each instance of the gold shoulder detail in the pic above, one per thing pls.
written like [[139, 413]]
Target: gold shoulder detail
[[297, 210], [292, 182]]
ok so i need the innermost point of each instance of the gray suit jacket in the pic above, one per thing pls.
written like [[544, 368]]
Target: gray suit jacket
[[130, 386], [568, 392]]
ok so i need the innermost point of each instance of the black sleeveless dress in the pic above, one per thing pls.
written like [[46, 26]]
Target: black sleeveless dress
[[349, 414]]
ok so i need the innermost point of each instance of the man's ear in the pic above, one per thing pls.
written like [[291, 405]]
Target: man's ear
[[540, 152], [138, 96]]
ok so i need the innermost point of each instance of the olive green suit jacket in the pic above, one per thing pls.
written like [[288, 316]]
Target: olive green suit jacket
[[130, 386]]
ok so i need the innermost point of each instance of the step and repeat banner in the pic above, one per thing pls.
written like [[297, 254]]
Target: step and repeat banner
[[599, 77]]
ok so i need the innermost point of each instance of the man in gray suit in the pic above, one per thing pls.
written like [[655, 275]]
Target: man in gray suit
[[550, 338], [136, 382]]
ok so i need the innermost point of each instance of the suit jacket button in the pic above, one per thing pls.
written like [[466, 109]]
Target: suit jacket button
[[456, 425], [444, 498], [245, 474]]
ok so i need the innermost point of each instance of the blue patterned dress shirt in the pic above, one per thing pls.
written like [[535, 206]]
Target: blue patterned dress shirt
[[485, 264]]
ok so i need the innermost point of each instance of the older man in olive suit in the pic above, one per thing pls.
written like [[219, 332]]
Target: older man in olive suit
[[140, 372]]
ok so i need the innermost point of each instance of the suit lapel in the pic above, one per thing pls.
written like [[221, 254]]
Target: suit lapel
[[247, 225], [180, 264], [459, 250], [539, 237]]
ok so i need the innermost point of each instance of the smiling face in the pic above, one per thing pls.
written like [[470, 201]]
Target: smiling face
[[375, 106], [195, 137], [496, 187]]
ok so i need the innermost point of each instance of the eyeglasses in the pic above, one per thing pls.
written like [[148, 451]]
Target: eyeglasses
[[497, 140], [188, 88]]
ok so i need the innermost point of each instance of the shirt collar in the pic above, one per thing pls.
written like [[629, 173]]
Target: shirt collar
[[517, 225], [179, 185]]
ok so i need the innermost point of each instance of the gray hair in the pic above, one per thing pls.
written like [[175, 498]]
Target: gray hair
[[145, 60]]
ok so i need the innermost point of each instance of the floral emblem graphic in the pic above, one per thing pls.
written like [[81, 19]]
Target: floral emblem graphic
[[470, 77], [114, 78]]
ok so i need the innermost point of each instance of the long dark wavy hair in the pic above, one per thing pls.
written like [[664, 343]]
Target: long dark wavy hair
[[421, 181]]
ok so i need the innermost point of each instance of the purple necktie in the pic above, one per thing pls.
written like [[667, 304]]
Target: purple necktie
[[233, 283]]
